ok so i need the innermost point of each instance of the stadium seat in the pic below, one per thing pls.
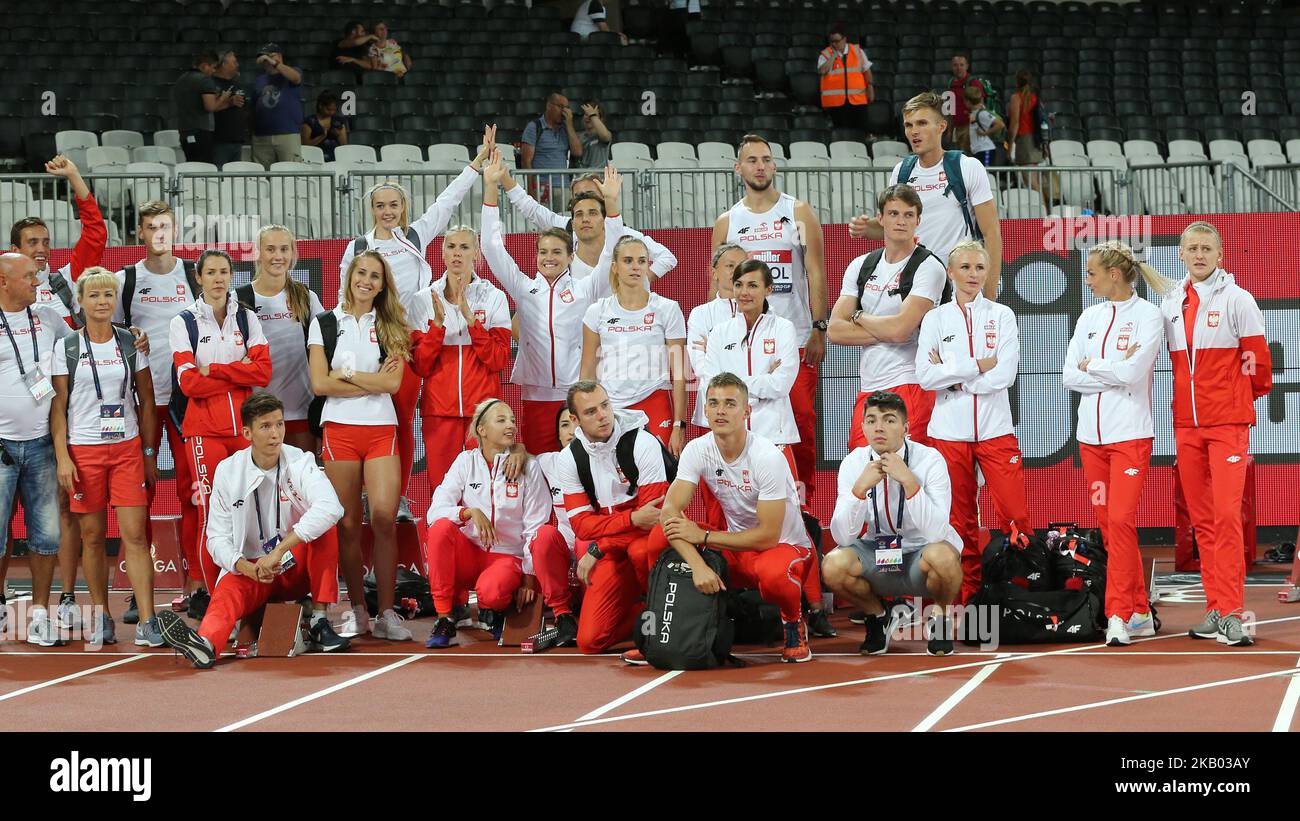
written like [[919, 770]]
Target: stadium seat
[[397, 152], [723, 155], [1293, 150], [15, 202], [800, 151], [66, 140], [355, 154], [1223, 148], [126, 139], [1021, 203], [627, 154], [1185, 150], [889, 148], [675, 150], [1135, 149], [1104, 148], [65, 228], [451, 153], [154, 153], [312, 154], [848, 149], [100, 155], [1061, 149], [168, 137], [151, 181]]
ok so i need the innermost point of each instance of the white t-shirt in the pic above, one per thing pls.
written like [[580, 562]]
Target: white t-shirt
[[22, 418], [890, 364], [46, 296], [978, 142], [290, 374], [942, 224], [83, 404], [265, 503], [588, 15], [157, 299], [633, 352], [759, 474], [704, 318], [357, 348]]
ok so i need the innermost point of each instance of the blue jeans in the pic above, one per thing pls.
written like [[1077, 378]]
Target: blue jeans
[[33, 479]]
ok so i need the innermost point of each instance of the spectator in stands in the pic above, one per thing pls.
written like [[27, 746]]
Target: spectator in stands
[[592, 17], [961, 78], [547, 143], [984, 124], [354, 48], [593, 149], [1022, 126], [386, 54], [846, 80], [232, 126], [325, 128], [277, 117], [674, 39], [195, 98]]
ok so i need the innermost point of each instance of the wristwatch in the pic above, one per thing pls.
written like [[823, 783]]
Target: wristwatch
[[820, 325], [680, 423], [150, 452], [594, 551]]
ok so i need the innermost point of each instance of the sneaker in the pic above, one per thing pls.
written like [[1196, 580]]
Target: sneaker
[[147, 633], [68, 614], [354, 622], [323, 637], [41, 630], [460, 614], [939, 631], [857, 617], [132, 614], [819, 624], [796, 648], [635, 658], [878, 633], [442, 635], [493, 621], [404, 510], [1141, 625], [1208, 628], [1233, 633], [198, 605], [4, 615], [1117, 632], [566, 627], [389, 626], [106, 633], [179, 636]]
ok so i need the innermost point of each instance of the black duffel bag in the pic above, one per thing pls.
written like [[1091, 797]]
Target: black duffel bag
[[1038, 616], [1021, 559]]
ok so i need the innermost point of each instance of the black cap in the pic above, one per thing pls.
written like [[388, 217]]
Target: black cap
[[269, 48]]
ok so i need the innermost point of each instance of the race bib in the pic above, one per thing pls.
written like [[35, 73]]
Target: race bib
[[781, 263], [112, 422], [889, 556], [38, 383]]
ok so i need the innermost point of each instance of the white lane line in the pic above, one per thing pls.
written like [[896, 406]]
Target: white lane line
[[342, 685], [71, 676], [637, 693], [1112, 701], [955, 699], [1285, 713]]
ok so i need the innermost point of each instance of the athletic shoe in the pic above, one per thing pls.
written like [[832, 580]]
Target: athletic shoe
[[198, 606], [635, 658], [461, 615], [442, 635], [493, 621], [1233, 633], [1117, 632], [132, 614], [181, 603], [566, 628], [4, 614], [1208, 628], [106, 633], [179, 636], [796, 648], [389, 626], [1141, 625], [404, 510], [857, 617], [41, 630], [354, 622], [68, 614], [147, 633], [878, 633], [819, 624], [940, 640], [323, 637]]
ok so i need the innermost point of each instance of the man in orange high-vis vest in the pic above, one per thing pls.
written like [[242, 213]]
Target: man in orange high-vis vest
[[846, 80]]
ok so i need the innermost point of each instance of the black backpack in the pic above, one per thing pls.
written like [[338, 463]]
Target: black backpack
[[361, 243], [1079, 562], [329, 337], [59, 287], [1024, 562], [180, 402], [867, 270], [755, 621], [247, 296], [1038, 616], [412, 598], [625, 454], [72, 353], [682, 628], [128, 286]]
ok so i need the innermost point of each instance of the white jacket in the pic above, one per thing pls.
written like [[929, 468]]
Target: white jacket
[[925, 515], [704, 318], [516, 509], [1116, 403], [308, 505], [969, 406], [749, 355], [550, 316], [550, 463]]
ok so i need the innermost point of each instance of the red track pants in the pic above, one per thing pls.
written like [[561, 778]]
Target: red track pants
[[1212, 468], [444, 439], [551, 563], [205, 453], [539, 429], [457, 565], [803, 403], [405, 402], [186, 492], [920, 406], [658, 406], [612, 600], [1115, 475]]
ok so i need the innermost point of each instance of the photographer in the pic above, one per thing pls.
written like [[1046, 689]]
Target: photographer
[[277, 116]]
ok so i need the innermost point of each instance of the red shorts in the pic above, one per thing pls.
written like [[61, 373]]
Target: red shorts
[[357, 443], [111, 473]]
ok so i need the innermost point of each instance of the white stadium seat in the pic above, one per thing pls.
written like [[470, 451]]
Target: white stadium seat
[[1022, 203], [451, 153], [1140, 152], [1293, 150], [169, 137], [1186, 150], [399, 151], [100, 155], [313, 154], [65, 140], [715, 155], [1104, 148], [1264, 148], [154, 153], [355, 154], [1224, 148], [851, 150], [126, 139], [1071, 149], [805, 150], [889, 148], [625, 154]]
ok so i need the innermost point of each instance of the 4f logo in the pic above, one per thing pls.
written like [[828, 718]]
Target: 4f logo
[[949, 337], [145, 290], [613, 320], [476, 485]]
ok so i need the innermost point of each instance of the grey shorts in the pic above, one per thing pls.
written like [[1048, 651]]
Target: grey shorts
[[907, 581]]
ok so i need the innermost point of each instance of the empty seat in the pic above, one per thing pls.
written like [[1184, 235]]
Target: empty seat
[[66, 140], [126, 139], [397, 152], [150, 182], [1104, 148], [1223, 148], [849, 149], [312, 154], [804, 150], [1062, 149], [717, 154], [889, 148], [101, 155], [355, 154], [65, 228], [453, 153], [154, 153], [1186, 150], [628, 154], [1135, 149], [169, 137], [676, 151], [1022, 203]]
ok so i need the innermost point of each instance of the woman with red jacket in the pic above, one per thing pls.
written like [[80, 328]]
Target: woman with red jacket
[[217, 369], [461, 352], [1221, 364]]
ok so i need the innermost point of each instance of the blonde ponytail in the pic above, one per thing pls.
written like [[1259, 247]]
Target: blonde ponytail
[[1117, 254]]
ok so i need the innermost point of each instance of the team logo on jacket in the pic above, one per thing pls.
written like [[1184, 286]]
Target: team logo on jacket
[[649, 319], [1132, 472], [744, 477], [180, 290], [1121, 344], [374, 335], [769, 346], [991, 339], [621, 477], [239, 339], [1234, 459], [481, 316], [512, 490], [949, 337], [1014, 459], [566, 296], [1212, 319]]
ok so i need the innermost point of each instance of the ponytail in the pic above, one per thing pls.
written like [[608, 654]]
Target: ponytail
[[1117, 254]]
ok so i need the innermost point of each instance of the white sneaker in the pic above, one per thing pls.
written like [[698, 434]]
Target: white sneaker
[[41, 630], [1141, 625], [353, 622], [1117, 632], [389, 626], [68, 614]]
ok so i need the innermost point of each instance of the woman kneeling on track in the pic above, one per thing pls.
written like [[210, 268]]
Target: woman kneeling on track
[[359, 440], [488, 532], [101, 419]]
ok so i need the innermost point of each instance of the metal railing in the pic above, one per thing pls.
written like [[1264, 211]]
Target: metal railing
[[51, 199], [230, 206]]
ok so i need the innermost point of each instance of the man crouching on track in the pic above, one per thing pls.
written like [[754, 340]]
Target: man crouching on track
[[269, 545], [891, 525]]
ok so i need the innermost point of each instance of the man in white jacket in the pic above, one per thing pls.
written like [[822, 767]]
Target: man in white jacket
[[891, 525], [271, 523]]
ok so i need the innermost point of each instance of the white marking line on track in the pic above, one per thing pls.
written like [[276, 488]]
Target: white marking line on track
[[874, 679], [132, 657], [956, 698], [342, 685], [1104, 653], [637, 693], [1285, 713]]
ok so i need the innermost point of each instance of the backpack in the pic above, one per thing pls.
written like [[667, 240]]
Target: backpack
[[128, 286], [754, 620], [868, 269], [1019, 559], [180, 402], [1079, 562], [991, 100], [72, 349], [412, 597], [248, 297], [625, 454], [329, 337], [956, 185], [1039, 616], [361, 243], [60, 288], [1038, 116], [682, 628]]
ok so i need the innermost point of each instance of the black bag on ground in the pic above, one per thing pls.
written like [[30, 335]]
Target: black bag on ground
[[1025, 562], [1079, 563], [755, 621], [413, 598], [1038, 617], [682, 628]]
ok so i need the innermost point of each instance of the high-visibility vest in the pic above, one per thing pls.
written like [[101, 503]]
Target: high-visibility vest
[[845, 81]]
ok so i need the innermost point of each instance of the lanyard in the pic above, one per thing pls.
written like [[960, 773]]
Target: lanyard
[[275, 499], [36, 351], [875, 513], [94, 371]]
